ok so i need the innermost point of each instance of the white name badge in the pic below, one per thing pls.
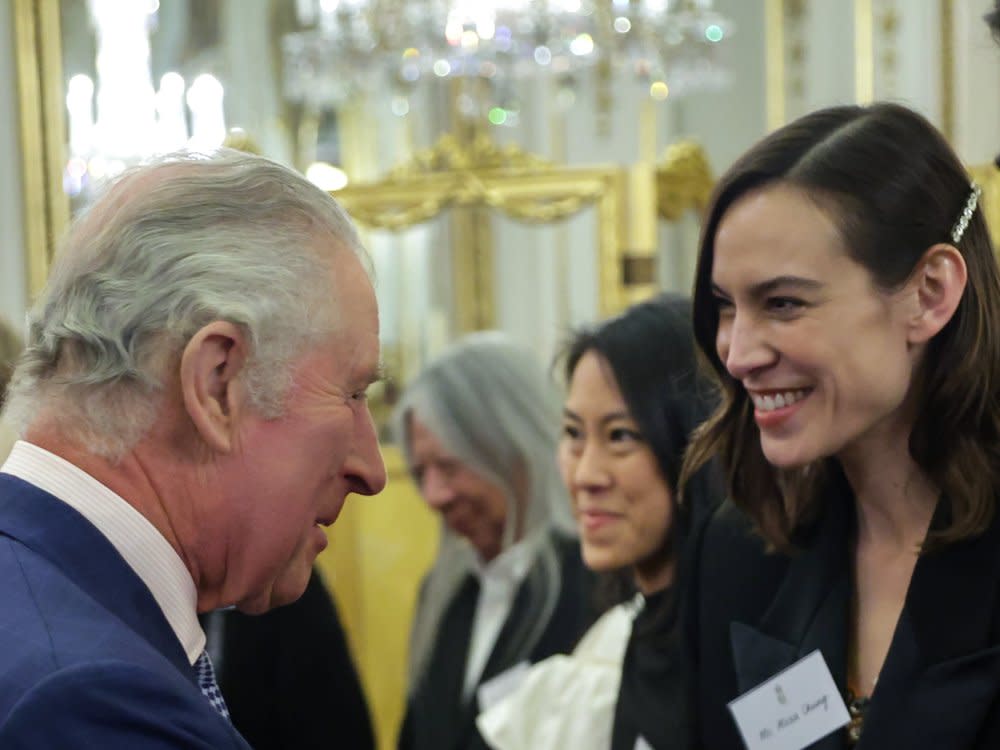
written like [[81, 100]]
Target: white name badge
[[793, 709], [497, 688]]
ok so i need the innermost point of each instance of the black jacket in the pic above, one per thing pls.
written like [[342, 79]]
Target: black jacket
[[752, 614], [436, 718], [288, 677]]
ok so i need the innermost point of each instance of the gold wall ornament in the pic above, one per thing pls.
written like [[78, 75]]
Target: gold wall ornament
[[785, 56], [507, 179], [452, 154], [774, 28], [987, 176], [241, 140], [864, 52], [42, 139], [684, 180]]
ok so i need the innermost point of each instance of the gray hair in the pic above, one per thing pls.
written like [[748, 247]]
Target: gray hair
[[10, 348], [492, 406], [169, 247]]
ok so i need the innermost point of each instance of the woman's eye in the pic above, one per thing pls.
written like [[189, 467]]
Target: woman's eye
[[723, 305], [571, 431], [623, 435], [785, 305]]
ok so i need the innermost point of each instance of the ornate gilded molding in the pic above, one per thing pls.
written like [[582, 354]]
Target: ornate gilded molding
[[683, 180], [774, 27], [507, 179], [887, 23], [784, 22], [864, 52], [42, 126], [988, 178], [451, 154]]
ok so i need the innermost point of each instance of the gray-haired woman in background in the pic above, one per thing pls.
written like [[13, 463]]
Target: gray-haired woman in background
[[479, 429]]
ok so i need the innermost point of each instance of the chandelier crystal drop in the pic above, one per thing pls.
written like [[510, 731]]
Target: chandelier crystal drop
[[346, 47]]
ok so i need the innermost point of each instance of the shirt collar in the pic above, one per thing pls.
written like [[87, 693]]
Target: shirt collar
[[144, 548], [511, 565]]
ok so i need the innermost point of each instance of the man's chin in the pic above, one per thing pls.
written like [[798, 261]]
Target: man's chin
[[285, 590]]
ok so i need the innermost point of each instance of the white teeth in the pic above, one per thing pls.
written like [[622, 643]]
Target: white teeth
[[778, 400]]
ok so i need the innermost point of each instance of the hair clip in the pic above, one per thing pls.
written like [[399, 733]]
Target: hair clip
[[970, 208]]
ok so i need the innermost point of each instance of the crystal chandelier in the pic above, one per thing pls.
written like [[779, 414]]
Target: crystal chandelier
[[120, 118], [349, 46]]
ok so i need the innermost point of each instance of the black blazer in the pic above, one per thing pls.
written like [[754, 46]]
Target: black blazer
[[288, 677], [653, 699], [752, 614], [435, 719]]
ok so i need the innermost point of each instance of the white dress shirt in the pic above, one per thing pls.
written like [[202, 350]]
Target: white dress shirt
[[567, 700], [144, 548], [499, 580]]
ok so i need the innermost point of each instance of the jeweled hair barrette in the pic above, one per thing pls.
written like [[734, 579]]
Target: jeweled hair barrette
[[967, 211]]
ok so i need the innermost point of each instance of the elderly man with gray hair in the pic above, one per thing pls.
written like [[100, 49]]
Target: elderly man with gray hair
[[479, 427], [192, 407]]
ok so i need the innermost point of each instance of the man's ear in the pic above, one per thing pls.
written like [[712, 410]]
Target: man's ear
[[210, 366], [938, 283]]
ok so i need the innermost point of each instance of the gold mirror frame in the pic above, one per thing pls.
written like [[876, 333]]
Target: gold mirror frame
[[525, 187], [452, 174], [481, 175], [42, 133]]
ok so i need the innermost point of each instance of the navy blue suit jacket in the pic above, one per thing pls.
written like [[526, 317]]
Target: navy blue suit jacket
[[87, 659]]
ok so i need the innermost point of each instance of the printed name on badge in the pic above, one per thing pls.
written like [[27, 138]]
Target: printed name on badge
[[793, 709]]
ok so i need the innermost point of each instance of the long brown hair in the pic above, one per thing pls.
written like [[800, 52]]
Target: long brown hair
[[895, 188]]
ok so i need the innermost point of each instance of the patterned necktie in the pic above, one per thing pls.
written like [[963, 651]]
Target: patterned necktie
[[209, 687]]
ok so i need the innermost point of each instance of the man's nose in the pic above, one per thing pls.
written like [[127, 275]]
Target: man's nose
[[365, 467], [436, 489]]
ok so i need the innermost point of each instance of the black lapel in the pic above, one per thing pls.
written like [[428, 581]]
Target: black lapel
[[809, 611], [437, 715], [942, 673], [54, 530], [500, 659]]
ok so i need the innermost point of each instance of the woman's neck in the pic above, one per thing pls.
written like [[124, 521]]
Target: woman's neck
[[652, 576], [895, 499]]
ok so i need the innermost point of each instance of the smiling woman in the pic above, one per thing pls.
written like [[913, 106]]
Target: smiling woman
[[848, 300], [634, 398]]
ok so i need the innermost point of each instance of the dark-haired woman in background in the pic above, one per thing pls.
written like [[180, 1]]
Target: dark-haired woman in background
[[848, 300], [633, 399]]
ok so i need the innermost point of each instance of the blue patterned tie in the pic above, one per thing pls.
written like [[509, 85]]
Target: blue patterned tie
[[209, 687]]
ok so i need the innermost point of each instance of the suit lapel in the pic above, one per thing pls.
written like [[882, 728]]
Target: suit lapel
[[943, 666], [57, 532], [499, 659], [808, 612], [942, 674]]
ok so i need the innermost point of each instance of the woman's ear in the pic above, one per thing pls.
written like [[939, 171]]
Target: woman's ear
[[937, 283], [210, 367]]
